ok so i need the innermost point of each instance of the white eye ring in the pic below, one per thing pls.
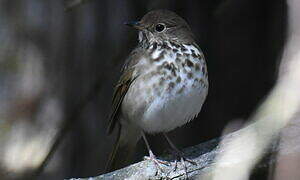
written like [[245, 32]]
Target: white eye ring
[[160, 27]]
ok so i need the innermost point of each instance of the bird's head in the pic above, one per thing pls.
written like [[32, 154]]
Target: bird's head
[[162, 25]]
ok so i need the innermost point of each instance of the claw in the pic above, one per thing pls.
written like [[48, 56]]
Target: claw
[[153, 158], [182, 160], [179, 155], [157, 162]]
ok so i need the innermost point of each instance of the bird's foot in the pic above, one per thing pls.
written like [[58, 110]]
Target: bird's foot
[[157, 162], [180, 155]]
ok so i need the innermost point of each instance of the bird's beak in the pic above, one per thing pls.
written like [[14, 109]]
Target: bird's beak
[[135, 24]]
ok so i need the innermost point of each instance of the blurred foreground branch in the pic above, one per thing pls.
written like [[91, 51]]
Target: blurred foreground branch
[[203, 154], [67, 125], [275, 116]]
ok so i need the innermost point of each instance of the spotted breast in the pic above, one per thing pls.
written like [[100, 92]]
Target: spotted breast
[[170, 89]]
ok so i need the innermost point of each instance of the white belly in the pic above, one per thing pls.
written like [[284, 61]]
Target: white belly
[[172, 110]]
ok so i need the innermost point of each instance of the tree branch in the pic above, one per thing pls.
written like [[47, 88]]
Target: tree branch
[[203, 154]]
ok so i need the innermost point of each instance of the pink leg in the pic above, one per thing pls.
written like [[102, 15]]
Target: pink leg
[[152, 157], [179, 154]]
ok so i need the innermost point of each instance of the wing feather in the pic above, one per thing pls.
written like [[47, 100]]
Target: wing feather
[[122, 87], [118, 96]]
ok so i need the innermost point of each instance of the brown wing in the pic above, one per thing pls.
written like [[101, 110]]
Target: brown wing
[[118, 96], [122, 87]]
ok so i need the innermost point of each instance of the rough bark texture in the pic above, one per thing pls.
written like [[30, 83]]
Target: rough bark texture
[[203, 154]]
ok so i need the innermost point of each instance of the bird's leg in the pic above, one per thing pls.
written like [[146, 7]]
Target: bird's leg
[[152, 157], [179, 154]]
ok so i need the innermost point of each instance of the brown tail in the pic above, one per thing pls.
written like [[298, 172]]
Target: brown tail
[[123, 149]]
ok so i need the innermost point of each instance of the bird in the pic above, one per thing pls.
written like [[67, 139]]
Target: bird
[[163, 85]]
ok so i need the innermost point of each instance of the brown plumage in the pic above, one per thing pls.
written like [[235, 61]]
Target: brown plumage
[[157, 90]]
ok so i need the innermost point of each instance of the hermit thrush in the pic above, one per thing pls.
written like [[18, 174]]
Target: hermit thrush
[[163, 84]]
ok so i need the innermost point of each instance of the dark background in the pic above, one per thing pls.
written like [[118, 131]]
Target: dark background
[[59, 67]]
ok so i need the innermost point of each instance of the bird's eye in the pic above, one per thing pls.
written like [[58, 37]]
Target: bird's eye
[[160, 27]]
